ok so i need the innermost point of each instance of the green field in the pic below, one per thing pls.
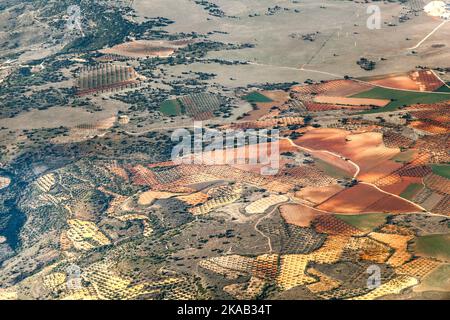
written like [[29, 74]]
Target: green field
[[171, 108], [437, 279], [331, 170], [404, 156], [436, 245], [256, 97], [364, 222], [442, 170], [444, 88], [411, 191], [400, 98]]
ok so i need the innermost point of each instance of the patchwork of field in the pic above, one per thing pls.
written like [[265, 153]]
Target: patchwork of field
[[421, 80], [95, 204]]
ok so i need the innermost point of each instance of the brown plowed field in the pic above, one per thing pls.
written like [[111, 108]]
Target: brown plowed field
[[145, 48], [351, 101], [365, 149], [298, 214], [365, 199], [318, 195], [422, 80]]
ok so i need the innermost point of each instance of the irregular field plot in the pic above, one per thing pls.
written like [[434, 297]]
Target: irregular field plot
[[437, 246], [400, 98], [171, 108], [256, 97], [365, 222], [411, 191], [442, 170]]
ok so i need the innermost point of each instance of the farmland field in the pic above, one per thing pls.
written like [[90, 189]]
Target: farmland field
[[219, 150], [365, 222], [442, 170], [256, 97], [437, 246], [400, 98], [411, 191], [171, 108]]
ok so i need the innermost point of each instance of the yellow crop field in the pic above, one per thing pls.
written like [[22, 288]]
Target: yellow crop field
[[46, 182], [394, 286], [325, 283], [6, 294], [261, 205], [109, 285], [369, 249], [231, 267], [418, 268], [292, 271], [331, 250], [85, 235], [194, 199], [399, 243], [53, 281], [246, 291], [148, 197], [220, 200]]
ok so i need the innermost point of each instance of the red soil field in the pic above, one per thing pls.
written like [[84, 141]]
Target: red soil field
[[422, 80], [351, 101], [430, 126], [329, 224], [363, 198], [400, 186], [318, 194], [366, 149]]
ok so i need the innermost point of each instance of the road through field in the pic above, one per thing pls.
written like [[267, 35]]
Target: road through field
[[302, 68], [429, 35]]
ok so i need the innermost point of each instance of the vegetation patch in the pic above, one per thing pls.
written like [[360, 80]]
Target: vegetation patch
[[437, 279], [435, 245], [404, 156], [171, 108], [442, 170], [256, 97], [411, 191], [444, 88], [400, 98], [364, 222], [331, 170]]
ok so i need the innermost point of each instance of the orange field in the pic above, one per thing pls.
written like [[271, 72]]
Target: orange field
[[329, 224], [298, 214], [422, 80], [351, 101], [146, 48], [363, 198], [365, 149], [318, 195]]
